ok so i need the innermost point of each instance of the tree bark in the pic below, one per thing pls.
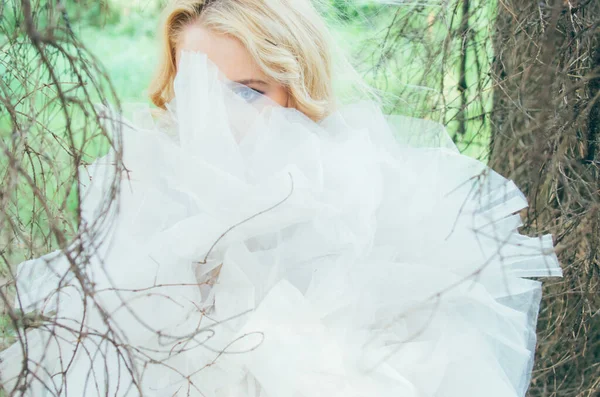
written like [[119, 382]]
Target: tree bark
[[545, 136]]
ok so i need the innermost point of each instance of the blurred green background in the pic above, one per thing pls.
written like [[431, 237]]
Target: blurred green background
[[407, 71]]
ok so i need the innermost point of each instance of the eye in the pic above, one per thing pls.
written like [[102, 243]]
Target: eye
[[247, 94]]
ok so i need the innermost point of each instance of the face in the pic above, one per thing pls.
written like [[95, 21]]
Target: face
[[234, 61]]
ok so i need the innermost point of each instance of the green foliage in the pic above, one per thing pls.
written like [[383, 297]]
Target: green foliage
[[7, 334], [344, 10], [96, 13], [349, 11]]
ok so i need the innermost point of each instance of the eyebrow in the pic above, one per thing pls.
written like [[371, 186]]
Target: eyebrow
[[251, 81]]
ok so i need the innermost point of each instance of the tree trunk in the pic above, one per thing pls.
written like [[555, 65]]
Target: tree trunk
[[545, 136]]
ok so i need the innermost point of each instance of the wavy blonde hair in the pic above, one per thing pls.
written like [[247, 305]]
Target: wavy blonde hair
[[288, 39]]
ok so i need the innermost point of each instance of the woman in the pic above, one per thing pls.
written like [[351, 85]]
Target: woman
[[271, 243]]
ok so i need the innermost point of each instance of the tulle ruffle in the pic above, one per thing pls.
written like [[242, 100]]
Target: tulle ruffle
[[257, 253]]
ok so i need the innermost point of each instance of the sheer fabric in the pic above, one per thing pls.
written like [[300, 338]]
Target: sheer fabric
[[258, 253]]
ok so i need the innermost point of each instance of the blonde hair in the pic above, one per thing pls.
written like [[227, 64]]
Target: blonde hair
[[288, 39]]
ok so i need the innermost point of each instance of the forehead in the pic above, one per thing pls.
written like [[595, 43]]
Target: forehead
[[227, 52]]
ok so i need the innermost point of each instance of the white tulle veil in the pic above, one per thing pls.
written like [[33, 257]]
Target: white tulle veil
[[258, 253]]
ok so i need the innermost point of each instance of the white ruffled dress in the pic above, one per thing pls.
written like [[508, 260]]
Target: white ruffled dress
[[256, 253]]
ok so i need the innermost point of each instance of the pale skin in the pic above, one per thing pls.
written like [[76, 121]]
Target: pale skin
[[233, 60]]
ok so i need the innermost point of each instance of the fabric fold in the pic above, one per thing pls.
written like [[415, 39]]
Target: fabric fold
[[258, 253]]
